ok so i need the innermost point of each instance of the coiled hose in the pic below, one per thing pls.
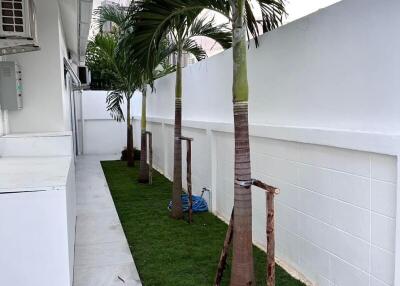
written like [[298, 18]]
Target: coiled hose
[[199, 204]]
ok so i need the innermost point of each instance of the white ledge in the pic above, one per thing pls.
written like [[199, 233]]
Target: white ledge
[[381, 143], [33, 174], [44, 134]]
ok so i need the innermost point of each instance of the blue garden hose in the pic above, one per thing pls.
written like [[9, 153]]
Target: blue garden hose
[[199, 204]]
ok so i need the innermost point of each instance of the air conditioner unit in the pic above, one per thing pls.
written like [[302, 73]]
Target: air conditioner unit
[[17, 27], [84, 75]]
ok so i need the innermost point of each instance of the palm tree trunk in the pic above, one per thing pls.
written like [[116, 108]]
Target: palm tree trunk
[[177, 211], [129, 143], [242, 262], [144, 169]]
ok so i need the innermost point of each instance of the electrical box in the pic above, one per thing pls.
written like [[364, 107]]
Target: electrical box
[[10, 86]]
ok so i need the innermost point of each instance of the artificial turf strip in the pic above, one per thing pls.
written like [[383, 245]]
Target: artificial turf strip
[[168, 252]]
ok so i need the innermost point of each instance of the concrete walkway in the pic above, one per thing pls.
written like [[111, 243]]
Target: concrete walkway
[[102, 255]]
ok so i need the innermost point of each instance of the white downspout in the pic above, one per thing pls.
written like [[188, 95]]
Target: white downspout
[[1, 123], [3, 129], [6, 123], [1, 115]]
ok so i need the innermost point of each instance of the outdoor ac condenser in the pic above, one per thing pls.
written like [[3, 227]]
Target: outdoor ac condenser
[[17, 27]]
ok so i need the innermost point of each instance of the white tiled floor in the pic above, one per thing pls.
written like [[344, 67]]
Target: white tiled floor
[[102, 255]]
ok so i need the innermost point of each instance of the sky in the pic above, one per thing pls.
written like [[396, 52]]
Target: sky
[[295, 8], [300, 8]]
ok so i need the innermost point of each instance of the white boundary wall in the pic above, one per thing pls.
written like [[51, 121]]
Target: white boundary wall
[[324, 129], [102, 134]]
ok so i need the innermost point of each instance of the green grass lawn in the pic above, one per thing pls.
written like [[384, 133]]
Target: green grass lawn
[[169, 252]]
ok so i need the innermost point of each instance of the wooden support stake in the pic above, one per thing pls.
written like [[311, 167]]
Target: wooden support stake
[[270, 229], [189, 177], [224, 253], [270, 239], [270, 194], [150, 139], [189, 173]]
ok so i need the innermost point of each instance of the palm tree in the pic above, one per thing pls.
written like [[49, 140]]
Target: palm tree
[[142, 75], [181, 31], [161, 67], [243, 21], [144, 168], [103, 54]]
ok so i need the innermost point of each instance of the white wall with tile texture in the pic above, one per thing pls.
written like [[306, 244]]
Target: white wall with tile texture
[[335, 215], [324, 128]]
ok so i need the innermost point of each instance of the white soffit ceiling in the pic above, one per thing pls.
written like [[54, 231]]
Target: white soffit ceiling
[[69, 17], [85, 16], [76, 17]]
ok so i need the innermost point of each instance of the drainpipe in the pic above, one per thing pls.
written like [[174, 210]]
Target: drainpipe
[[4, 122], [76, 86], [1, 123], [75, 78]]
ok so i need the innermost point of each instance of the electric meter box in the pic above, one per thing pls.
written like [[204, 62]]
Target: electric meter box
[[10, 86]]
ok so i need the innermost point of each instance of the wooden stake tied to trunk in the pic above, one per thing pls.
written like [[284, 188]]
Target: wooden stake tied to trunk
[[224, 253], [150, 142], [189, 173], [270, 192]]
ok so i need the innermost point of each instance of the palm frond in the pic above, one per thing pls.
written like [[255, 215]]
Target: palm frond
[[205, 27], [155, 16], [153, 21], [114, 101], [113, 13], [100, 55], [192, 47], [163, 71], [272, 14]]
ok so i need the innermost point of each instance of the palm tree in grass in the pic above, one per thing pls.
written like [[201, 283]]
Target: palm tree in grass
[[244, 23], [152, 28], [144, 168], [161, 68], [144, 74], [102, 54], [105, 56]]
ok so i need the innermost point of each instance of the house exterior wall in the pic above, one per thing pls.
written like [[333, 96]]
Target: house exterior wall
[[44, 218], [38, 221], [43, 73], [64, 81]]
